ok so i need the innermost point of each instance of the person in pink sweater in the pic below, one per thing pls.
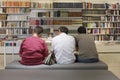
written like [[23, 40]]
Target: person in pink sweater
[[33, 49]]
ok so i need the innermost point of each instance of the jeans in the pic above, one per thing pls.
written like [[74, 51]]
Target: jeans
[[92, 60]]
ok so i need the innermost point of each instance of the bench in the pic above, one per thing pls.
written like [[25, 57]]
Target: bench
[[56, 75], [75, 66]]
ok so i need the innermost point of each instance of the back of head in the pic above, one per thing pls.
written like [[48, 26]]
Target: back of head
[[82, 30], [38, 30], [63, 29]]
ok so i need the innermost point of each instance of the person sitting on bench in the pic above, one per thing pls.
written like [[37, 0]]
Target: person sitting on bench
[[33, 49], [63, 46], [85, 45]]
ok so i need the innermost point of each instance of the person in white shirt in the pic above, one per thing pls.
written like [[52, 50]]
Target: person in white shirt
[[63, 46]]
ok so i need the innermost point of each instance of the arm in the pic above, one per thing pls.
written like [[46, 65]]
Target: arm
[[52, 46], [52, 50], [20, 51], [46, 50], [76, 44]]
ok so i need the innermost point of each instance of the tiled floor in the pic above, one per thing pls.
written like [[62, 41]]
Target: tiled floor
[[111, 59], [113, 62]]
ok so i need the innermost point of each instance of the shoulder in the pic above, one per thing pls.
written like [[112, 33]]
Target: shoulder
[[70, 37], [26, 39], [75, 36], [83, 35], [89, 36], [31, 37], [42, 40]]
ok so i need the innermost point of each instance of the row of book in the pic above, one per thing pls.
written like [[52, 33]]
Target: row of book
[[22, 24], [112, 18], [17, 24], [60, 4], [112, 12], [93, 5], [112, 6], [110, 24], [41, 22], [54, 22], [3, 17], [107, 38], [14, 10], [14, 31], [96, 38], [67, 14], [104, 31], [102, 24], [67, 22], [1, 43], [41, 5], [62, 22], [87, 5], [90, 5], [13, 17], [40, 14], [15, 3], [67, 5], [102, 12], [11, 37], [56, 14], [101, 18], [17, 17], [93, 18], [102, 6], [94, 12], [10, 43]]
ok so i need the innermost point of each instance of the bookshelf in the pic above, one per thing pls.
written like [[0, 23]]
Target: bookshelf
[[14, 21], [102, 21], [41, 15], [14, 24], [55, 14], [18, 18], [68, 14]]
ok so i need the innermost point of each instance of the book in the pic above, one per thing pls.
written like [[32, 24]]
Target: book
[[75, 14], [99, 5], [67, 5]]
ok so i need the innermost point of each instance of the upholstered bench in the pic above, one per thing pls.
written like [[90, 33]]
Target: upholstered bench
[[56, 75], [75, 66]]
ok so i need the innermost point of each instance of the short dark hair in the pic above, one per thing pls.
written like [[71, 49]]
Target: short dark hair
[[38, 30], [81, 29], [63, 29]]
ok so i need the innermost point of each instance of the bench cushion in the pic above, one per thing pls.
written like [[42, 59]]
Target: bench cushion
[[75, 66], [56, 75]]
